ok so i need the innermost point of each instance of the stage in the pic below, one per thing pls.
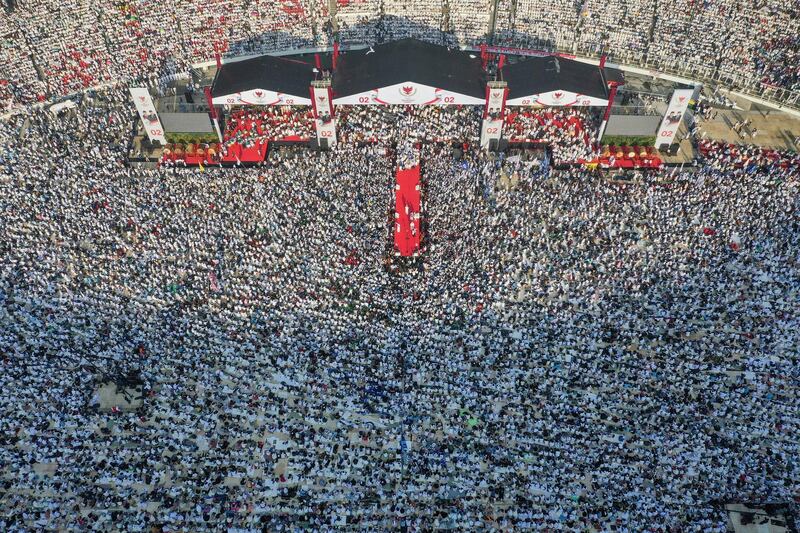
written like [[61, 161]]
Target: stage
[[214, 155]]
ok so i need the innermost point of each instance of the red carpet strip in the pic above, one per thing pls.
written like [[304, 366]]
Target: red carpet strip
[[407, 235]]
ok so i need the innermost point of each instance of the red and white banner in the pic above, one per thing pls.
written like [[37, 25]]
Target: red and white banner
[[261, 97], [324, 119], [558, 99], [409, 93], [495, 101], [147, 113], [674, 116], [492, 127]]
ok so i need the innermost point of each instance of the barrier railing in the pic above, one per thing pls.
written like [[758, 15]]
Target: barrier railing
[[637, 111], [736, 82]]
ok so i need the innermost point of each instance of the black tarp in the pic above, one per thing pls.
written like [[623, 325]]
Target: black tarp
[[271, 73], [538, 75], [409, 60]]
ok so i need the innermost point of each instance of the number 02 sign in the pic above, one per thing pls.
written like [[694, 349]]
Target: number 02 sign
[[674, 116], [148, 114]]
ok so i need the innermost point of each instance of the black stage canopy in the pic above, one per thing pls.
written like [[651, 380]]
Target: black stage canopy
[[264, 80], [553, 80], [409, 60]]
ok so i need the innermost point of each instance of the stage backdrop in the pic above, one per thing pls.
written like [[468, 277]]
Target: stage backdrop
[[408, 93]]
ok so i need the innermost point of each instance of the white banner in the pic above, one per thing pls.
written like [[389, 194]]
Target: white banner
[[674, 116], [409, 93], [324, 121], [261, 97], [147, 112], [558, 99]]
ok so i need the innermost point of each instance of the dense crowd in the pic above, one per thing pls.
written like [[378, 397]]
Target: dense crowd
[[275, 123], [46, 53], [438, 124], [570, 132], [571, 353]]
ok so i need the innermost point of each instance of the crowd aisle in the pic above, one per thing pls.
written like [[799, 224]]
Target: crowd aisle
[[572, 354]]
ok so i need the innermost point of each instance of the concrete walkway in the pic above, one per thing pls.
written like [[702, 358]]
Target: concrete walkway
[[775, 129]]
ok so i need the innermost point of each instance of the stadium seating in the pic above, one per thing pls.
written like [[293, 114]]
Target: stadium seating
[[47, 53]]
